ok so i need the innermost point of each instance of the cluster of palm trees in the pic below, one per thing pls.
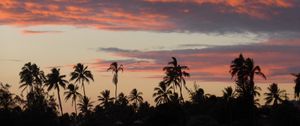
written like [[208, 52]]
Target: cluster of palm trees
[[32, 77], [243, 70]]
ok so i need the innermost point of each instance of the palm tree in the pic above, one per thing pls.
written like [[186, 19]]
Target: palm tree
[[85, 105], [162, 94], [73, 94], [115, 68], [56, 80], [297, 86], [229, 94], [31, 77], [81, 74], [175, 75], [122, 99], [198, 96], [244, 70], [6, 97], [275, 95], [105, 98], [135, 96]]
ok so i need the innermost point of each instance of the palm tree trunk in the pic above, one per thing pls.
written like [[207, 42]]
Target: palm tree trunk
[[83, 88], [59, 100], [75, 108], [116, 87], [181, 97]]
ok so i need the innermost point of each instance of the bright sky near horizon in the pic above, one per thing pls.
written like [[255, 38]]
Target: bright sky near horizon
[[143, 35]]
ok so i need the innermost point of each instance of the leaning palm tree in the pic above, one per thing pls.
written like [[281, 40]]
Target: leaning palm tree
[[105, 98], [115, 68], [85, 105], [275, 95], [31, 77], [72, 93], [162, 94], [297, 86], [81, 74], [54, 81], [175, 75], [135, 96]]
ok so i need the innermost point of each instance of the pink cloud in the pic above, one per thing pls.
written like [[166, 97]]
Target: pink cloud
[[206, 16], [212, 63]]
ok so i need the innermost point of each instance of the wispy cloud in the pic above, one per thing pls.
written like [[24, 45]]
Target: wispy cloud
[[38, 32], [10, 60]]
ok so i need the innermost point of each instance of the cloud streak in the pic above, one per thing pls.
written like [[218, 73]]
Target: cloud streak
[[278, 58], [30, 32]]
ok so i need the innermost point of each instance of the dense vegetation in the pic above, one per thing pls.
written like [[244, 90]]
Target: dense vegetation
[[237, 107]]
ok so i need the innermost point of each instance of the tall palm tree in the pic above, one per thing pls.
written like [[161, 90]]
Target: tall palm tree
[[85, 105], [244, 70], [81, 74], [275, 95], [175, 75], [31, 77], [56, 80], [162, 94], [105, 98], [297, 86], [72, 93], [135, 96], [115, 68]]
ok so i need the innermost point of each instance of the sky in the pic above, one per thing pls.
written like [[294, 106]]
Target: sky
[[143, 35]]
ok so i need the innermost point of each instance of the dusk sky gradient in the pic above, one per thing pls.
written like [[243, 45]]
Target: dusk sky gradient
[[143, 35]]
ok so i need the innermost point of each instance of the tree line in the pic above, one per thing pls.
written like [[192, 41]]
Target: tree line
[[237, 106]]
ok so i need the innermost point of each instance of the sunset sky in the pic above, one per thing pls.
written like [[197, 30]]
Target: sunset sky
[[143, 35]]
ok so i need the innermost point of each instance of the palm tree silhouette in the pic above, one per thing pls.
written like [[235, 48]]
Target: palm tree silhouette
[[297, 86], [175, 74], [229, 94], [6, 97], [31, 77], [56, 80], [81, 74], [162, 94], [135, 96], [85, 105], [275, 94], [122, 99], [72, 93], [115, 68], [244, 70], [105, 98], [198, 96]]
